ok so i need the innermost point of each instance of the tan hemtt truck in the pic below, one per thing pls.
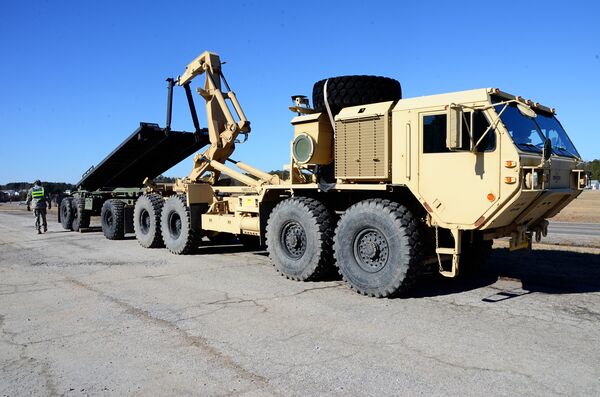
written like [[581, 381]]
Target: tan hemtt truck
[[380, 188]]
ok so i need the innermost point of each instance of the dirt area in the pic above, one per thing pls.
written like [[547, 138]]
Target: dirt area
[[584, 209]]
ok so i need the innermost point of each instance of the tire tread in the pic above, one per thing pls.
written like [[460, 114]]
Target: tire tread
[[409, 225]]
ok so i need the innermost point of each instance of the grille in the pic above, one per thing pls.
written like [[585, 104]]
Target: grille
[[360, 149]]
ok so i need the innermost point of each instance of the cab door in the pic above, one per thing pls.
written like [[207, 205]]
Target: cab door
[[458, 186]]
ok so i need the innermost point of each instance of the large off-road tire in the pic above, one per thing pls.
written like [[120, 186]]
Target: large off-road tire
[[146, 220], [112, 218], [66, 213], [81, 217], [378, 248], [473, 257], [179, 233], [345, 91], [299, 238]]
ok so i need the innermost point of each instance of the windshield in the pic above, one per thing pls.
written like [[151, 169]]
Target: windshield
[[551, 128], [523, 130], [529, 134]]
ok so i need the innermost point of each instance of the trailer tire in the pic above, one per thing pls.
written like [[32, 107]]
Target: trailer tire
[[81, 217], [345, 91], [146, 220], [378, 247], [112, 218], [299, 238], [66, 213], [178, 231]]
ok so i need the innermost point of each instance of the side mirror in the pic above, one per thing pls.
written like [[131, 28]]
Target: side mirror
[[547, 149], [454, 127]]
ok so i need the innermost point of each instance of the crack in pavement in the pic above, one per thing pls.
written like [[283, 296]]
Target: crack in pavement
[[192, 340], [24, 359]]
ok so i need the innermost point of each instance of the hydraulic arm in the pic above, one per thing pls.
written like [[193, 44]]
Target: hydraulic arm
[[223, 126]]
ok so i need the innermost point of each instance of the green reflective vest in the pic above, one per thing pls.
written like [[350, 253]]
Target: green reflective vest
[[37, 192]]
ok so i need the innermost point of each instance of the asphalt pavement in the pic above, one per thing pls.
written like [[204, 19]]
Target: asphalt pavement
[[577, 229], [82, 315]]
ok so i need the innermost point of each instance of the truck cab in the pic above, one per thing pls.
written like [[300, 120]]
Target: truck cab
[[485, 160]]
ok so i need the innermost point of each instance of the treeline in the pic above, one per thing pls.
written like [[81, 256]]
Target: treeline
[[51, 187], [593, 167], [54, 190]]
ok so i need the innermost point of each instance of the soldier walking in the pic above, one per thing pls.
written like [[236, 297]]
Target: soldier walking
[[37, 197]]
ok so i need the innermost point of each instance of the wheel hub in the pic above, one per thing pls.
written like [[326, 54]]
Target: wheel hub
[[371, 250], [108, 218], [145, 221], [175, 225], [293, 239]]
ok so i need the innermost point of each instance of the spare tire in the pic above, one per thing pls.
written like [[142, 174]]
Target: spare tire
[[345, 91]]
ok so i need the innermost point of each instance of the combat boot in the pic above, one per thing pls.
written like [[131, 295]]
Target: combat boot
[[45, 229], [39, 232]]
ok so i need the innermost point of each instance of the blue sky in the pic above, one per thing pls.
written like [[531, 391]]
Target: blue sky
[[78, 77]]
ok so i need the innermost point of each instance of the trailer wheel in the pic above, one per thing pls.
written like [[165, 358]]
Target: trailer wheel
[[81, 217], [146, 220], [112, 218], [66, 213], [345, 91], [377, 247], [299, 238], [179, 234]]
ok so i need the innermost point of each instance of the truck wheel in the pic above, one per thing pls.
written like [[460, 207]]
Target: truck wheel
[[146, 220], [66, 213], [299, 238], [81, 217], [377, 247], [179, 234], [345, 91], [112, 219]]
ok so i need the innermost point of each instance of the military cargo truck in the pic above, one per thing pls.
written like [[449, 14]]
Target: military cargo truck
[[380, 187]]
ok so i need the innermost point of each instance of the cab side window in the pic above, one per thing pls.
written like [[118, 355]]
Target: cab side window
[[434, 133]]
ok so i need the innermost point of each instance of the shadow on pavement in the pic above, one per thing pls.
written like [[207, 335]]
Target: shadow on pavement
[[547, 271]]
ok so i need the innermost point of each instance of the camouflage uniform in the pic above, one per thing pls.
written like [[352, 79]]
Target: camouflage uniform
[[38, 199]]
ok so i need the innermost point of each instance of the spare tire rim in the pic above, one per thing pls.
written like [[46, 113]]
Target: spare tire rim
[[293, 239], [174, 225], [144, 220], [371, 250]]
